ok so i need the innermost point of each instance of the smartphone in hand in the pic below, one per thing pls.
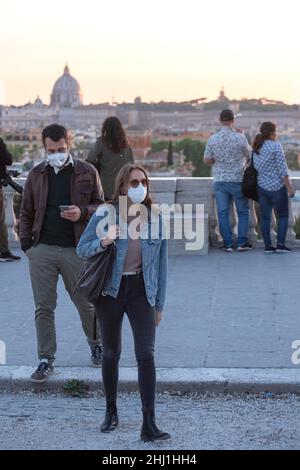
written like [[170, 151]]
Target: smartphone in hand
[[64, 208]]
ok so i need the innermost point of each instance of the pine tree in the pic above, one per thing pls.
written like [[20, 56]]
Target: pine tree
[[170, 160]]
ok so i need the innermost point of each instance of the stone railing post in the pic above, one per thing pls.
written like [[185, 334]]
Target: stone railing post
[[233, 220], [291, 235], [196, 191], [214, 233], [253, 235], [9, 212]]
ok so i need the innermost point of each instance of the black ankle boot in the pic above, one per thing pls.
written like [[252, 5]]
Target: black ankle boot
[[111, 419], [150, 431]]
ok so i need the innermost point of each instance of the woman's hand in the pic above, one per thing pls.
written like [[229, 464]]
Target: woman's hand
[[112, 235], [289, 186], [158, 317]]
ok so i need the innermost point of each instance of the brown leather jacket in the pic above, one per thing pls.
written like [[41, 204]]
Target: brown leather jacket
[[86, 193]]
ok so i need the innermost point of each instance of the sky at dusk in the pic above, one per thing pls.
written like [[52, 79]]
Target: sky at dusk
[[159, 50]]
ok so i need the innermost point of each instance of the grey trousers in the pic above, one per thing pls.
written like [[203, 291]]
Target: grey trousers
[[3, 228], [46, 263]]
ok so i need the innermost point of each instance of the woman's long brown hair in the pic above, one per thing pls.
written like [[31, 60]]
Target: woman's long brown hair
[[266, 131], [113, 135]]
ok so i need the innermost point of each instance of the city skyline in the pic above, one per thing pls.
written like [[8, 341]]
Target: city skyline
[[165, 52], [198, 100]]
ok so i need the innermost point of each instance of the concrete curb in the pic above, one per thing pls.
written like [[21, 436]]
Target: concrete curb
[[277, 381]]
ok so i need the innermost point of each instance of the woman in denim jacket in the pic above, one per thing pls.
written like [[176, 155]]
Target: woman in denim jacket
[[137, 286]]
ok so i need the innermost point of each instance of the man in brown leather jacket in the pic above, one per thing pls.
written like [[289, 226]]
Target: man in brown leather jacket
[[60, 195]]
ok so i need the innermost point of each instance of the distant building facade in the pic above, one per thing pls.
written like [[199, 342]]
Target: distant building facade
[[66, 107], [198, 116], [140, 140]]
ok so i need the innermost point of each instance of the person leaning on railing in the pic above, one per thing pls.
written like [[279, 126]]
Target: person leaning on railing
[[110, 153], [227, 151], [274, 186]]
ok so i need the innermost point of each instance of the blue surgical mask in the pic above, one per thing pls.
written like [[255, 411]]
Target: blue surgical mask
[[137, 195]]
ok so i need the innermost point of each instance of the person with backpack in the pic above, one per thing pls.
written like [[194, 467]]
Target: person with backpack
[[274, 186]]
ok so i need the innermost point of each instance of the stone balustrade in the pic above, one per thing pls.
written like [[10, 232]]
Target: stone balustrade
[[182, 191]]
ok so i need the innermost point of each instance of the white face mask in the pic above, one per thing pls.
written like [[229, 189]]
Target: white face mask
[[57, 160], [137, 195]]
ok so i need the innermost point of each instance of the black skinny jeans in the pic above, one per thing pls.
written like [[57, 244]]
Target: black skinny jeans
[[110, 311]]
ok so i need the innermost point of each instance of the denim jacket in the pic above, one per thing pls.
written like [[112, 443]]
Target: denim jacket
[[154, 254]]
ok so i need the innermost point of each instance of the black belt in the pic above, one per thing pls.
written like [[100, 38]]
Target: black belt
[[132, 274]]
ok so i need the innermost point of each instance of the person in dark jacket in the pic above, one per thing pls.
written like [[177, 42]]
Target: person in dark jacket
[[5, 160], [60, 195], [110, 153]]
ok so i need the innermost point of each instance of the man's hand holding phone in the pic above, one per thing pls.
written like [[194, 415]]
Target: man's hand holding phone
[[71, 213]]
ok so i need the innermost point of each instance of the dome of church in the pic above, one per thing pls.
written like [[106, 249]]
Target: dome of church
[[38, 103], [66, 91]]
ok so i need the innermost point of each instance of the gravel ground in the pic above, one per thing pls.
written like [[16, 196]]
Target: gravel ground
[[44, 421]]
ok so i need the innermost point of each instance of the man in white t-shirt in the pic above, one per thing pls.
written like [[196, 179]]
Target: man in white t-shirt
[[227, 151]]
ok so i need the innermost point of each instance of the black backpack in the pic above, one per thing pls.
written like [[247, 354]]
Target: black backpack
[[249, 184]]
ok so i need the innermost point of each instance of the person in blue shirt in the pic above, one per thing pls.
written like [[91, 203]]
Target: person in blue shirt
[[137, 286], [274, 186]]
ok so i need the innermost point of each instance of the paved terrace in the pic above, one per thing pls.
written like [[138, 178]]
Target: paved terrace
[[223, 310], [237, 310]]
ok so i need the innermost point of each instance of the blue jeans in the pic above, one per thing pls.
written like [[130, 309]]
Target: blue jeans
[[267, 201], [226, 192]]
